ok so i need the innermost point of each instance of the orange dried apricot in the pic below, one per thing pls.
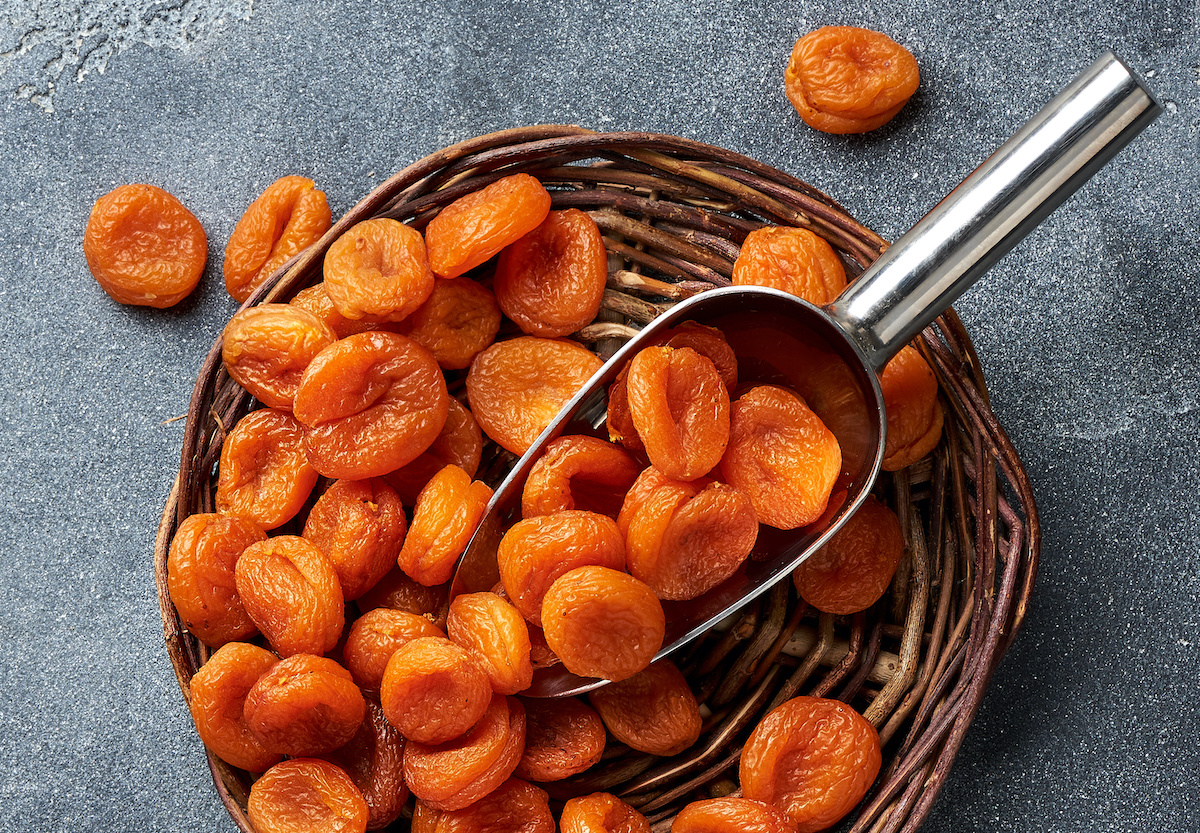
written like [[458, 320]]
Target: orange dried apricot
[[370, 403], [843, 79], [375, 636], [653, 711], [217, 696], [602, 623], [813, 758], [288, 217], [264, 474], [563, 737], [306, 795], [680, 408], [266, 348], [200, 578], [144, 247], [460, 443], [291, 592], [792, 260], [578, 472], [316, 300], [374, 760], [304, 705], [475, 227], [551, 281], [433, 691], [648, 482], [459, 319], [782, 456], [731, 814], [516, 387], [515, 806], [494, 634], [447, 512], [914, 414], [398, 591], [535, 551], [855, 566], [360, 526], [601, 813], [378, 270]]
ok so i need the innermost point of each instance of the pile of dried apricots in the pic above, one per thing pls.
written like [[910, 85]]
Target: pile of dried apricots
[[341, 671]]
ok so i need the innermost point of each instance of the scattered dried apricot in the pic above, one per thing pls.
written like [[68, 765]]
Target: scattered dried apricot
[[360, 526], [264, 474], [217, 697], [306, 795], [792, 260], [652, 711], [494, 634], [304, 705], [375, 636], [374, 760], [458, 320], [914, 414], [601, 813], [578, 472], [563, 737], [447, 512], [433, 691], [266, 348], [200, 579], [731, 814], [377, 270]]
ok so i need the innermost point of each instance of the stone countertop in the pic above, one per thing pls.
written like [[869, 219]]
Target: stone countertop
[[1087, 333]]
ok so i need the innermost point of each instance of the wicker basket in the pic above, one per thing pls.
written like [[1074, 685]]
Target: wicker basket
[[916, 664]]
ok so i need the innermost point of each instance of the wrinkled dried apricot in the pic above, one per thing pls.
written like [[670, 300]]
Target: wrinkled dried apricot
[[448, 510], [653, 711], [454, 775], [515, 806], [360, 526], [291, 592], [304, 705], [217, 696], [144, 247], [578, 472], [516, 387], [475, 227], [601, 813], [315, 299], [855, 566], [680, 408], [602, 623], [306, 795], [843, 79], [792, 260], [377, 270], [433, 691], [458, 320], [398, 591], [460, 443], [288, 217], [731, 814], [370, 403], [535, 551], [374, 760], [264, 474], [551, 281], [563, 737], [266, 348], [375, 636], [914, 414], [647, 483], [812, 758], [782, 456], [200, 578], [493, 632]]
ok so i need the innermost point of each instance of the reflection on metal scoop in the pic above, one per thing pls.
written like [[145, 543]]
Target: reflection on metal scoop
[[832, 356]]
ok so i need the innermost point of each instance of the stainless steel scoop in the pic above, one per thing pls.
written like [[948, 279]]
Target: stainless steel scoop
[[832, 355]]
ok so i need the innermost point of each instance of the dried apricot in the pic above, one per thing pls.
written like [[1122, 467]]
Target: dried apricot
[[843, 79], [792, 260], [653, 711], [458, 320], [144, 247], [291, 592], [377, 270], [647, 483], [535, 551], [398, 591], [433, 691], [370, 403], [680, 408], [563, 737], [316, 300], [360, 526], [601, 813], [306, 795], [578, 472], [448, 510], [731, 814], [855, 566], [782, 456], [812, 758], [515, 388], [375, 636], [266, 348], [288, 217], [602, 623], [914, 414], [475, 227], [515, 806], [493, 632], [374, 760], [217, 696], [200, 578], [304, 705], [264, 474], [551, 281], [460, 443]]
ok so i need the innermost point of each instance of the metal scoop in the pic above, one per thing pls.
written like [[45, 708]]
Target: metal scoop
[[831, 356]]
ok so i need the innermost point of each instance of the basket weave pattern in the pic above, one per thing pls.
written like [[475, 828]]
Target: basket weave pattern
[[916, 664]]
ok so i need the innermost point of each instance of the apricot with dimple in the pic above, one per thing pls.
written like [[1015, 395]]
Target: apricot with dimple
[[200, 576], [448, 510], [731, 814], [433, 691], [264, 474], [601, 813], [793, 260], [304, 705], [377, 270], [494, 634], [653, 711], [578, 472], [217, 698], [309, 795], [360, 526]]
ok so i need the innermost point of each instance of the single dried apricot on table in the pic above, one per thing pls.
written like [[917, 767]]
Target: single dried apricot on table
[[731, 814], [601, 813], [843, 79], [433, 691], [458, 320], [360, 526], [217, 698], [377, 270], [144, 247], [304, 705], [374, 760], [653, 711], [200, 578], [793, 260], [493, 632], [812, 758], [264, 473], [448, 510], [375, 636], [563, 737], [267, 348], [306, 795], [914, 414], [579, 472]]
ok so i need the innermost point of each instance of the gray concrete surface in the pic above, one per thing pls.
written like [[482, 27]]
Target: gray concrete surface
[[1087, 331]]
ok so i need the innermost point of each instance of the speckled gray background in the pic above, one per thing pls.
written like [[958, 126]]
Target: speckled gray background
[[1088, 333]]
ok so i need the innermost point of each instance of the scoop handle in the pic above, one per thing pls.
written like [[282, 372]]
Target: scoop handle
[[1031, 174]]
